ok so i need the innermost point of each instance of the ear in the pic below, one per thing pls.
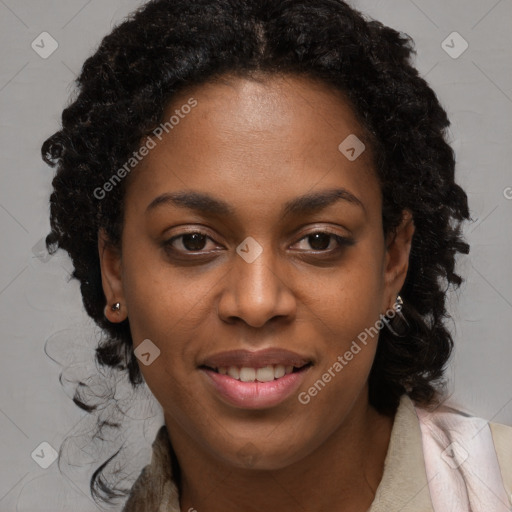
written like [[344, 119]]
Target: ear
[[111, 280], [398, 248]]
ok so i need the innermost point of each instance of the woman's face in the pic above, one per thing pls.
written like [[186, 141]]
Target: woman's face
[[257, 173]]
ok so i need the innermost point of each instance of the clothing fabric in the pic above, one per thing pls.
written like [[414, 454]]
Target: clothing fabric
[[438, 461]]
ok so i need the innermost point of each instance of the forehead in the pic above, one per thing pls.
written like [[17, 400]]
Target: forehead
[[256, 140]]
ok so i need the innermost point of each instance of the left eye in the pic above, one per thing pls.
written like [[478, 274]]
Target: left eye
[[321, 240]]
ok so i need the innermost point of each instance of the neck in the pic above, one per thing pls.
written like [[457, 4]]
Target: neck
[[343, 473]]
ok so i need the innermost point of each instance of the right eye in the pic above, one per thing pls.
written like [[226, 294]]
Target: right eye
[[192, 241]]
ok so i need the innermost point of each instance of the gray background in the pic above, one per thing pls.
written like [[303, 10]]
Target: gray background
[[37, 303]]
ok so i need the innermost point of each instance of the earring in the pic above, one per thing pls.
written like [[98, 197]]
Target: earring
[[395, 320], [116, 307]]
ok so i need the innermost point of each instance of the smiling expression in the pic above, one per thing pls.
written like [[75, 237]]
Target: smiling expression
[[255, 168]]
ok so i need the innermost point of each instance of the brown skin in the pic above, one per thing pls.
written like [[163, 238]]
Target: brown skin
[[257, 144]]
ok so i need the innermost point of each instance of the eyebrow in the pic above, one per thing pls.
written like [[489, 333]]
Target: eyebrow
[[209, 205]]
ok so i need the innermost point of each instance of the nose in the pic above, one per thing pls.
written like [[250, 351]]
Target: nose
[[256, 292]]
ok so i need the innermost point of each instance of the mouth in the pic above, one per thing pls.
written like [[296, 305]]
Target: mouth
[[266, 373], [255, 379]]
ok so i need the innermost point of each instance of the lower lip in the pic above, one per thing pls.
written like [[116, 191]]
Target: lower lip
[[255, 395]]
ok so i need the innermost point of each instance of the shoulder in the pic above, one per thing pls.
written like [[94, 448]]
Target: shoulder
[[459, 447], [502, 439], [154, 489]]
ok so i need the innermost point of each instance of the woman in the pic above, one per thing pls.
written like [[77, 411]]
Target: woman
[[211, 148]]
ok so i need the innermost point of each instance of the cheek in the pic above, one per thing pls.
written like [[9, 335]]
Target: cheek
[[160, 297], [349, 307], [169, 307], [349, 300]]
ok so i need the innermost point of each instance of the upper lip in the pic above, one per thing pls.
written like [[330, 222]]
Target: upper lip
[[256, 359]]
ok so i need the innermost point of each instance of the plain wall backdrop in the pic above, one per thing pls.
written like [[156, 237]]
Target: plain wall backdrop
[[38, 303]]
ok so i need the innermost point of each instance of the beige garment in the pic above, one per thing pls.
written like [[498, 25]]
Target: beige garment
[[404, 486], [155, 489]]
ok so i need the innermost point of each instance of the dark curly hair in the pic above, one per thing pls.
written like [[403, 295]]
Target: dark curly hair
[[168, 45]]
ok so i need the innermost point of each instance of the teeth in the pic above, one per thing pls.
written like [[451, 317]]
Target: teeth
[[265, 374], [247, 374], [279, 371], [234, 372]]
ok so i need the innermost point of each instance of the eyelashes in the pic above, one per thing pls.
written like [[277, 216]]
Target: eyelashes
[[341, 241], [193, 243]]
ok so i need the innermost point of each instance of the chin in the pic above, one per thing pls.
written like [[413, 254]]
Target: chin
[[259, 456]]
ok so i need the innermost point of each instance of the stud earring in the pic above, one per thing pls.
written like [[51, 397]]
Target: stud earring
[[116, 307]]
